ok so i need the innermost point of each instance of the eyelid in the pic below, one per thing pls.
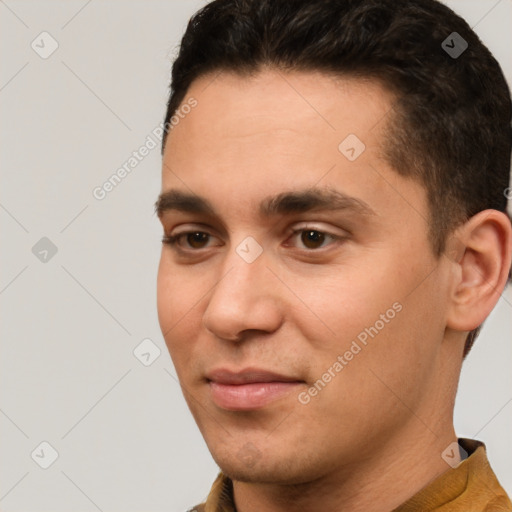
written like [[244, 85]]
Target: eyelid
[[315, 227], [186, 228], [331, 239], [173, 239]]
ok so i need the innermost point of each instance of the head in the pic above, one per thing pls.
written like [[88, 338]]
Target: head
[[333, 220]]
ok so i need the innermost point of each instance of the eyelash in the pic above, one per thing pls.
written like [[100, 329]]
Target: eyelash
[[174, 239]]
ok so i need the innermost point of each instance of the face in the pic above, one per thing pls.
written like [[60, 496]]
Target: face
[[299, 296]]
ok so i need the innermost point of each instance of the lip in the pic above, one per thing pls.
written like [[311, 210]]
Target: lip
[[248, 389]]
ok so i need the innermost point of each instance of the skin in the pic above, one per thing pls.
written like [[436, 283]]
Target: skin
[[297, 307]]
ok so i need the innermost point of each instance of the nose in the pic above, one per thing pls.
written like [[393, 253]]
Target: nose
[[245, 299]]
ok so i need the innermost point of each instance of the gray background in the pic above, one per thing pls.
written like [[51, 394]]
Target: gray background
[[70, 324]]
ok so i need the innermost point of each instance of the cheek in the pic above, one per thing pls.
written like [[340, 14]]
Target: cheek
[[176, 298], [375, 313], [338, 306], [363, 393], [389, 357], [181, 295]]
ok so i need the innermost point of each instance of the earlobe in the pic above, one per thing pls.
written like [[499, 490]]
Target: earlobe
[[482, 265]]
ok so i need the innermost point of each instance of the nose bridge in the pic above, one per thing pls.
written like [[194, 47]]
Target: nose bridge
[[243, 281], [243, 270], [244, 297]]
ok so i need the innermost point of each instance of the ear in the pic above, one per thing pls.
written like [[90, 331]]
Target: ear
[[482, 247]]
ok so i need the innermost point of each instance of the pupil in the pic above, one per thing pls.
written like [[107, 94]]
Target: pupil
[[196, 239], [312, 238]]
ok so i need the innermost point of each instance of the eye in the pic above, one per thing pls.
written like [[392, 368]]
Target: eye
[[309, 239], [313, 238], [192, 239]]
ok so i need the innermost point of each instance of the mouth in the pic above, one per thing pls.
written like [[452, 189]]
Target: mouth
[[248, 389]]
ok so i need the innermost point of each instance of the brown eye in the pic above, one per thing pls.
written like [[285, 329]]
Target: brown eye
[[197, 239], [190, 241], [312, 239]]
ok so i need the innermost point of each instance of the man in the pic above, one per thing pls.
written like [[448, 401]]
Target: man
[[335, 233]]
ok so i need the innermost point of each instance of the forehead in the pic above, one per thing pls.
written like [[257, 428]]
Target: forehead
[[311, 105], [250, 137]]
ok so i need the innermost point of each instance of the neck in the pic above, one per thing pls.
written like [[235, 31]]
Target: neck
[[403, 467]]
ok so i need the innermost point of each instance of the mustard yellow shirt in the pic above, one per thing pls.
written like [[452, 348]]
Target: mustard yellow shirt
[[470, 487]]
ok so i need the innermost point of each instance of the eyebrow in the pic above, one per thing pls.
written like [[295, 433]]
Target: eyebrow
[[293, 201]]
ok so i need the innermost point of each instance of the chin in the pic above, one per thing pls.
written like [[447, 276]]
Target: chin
[[248, 464], [256, 475]]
